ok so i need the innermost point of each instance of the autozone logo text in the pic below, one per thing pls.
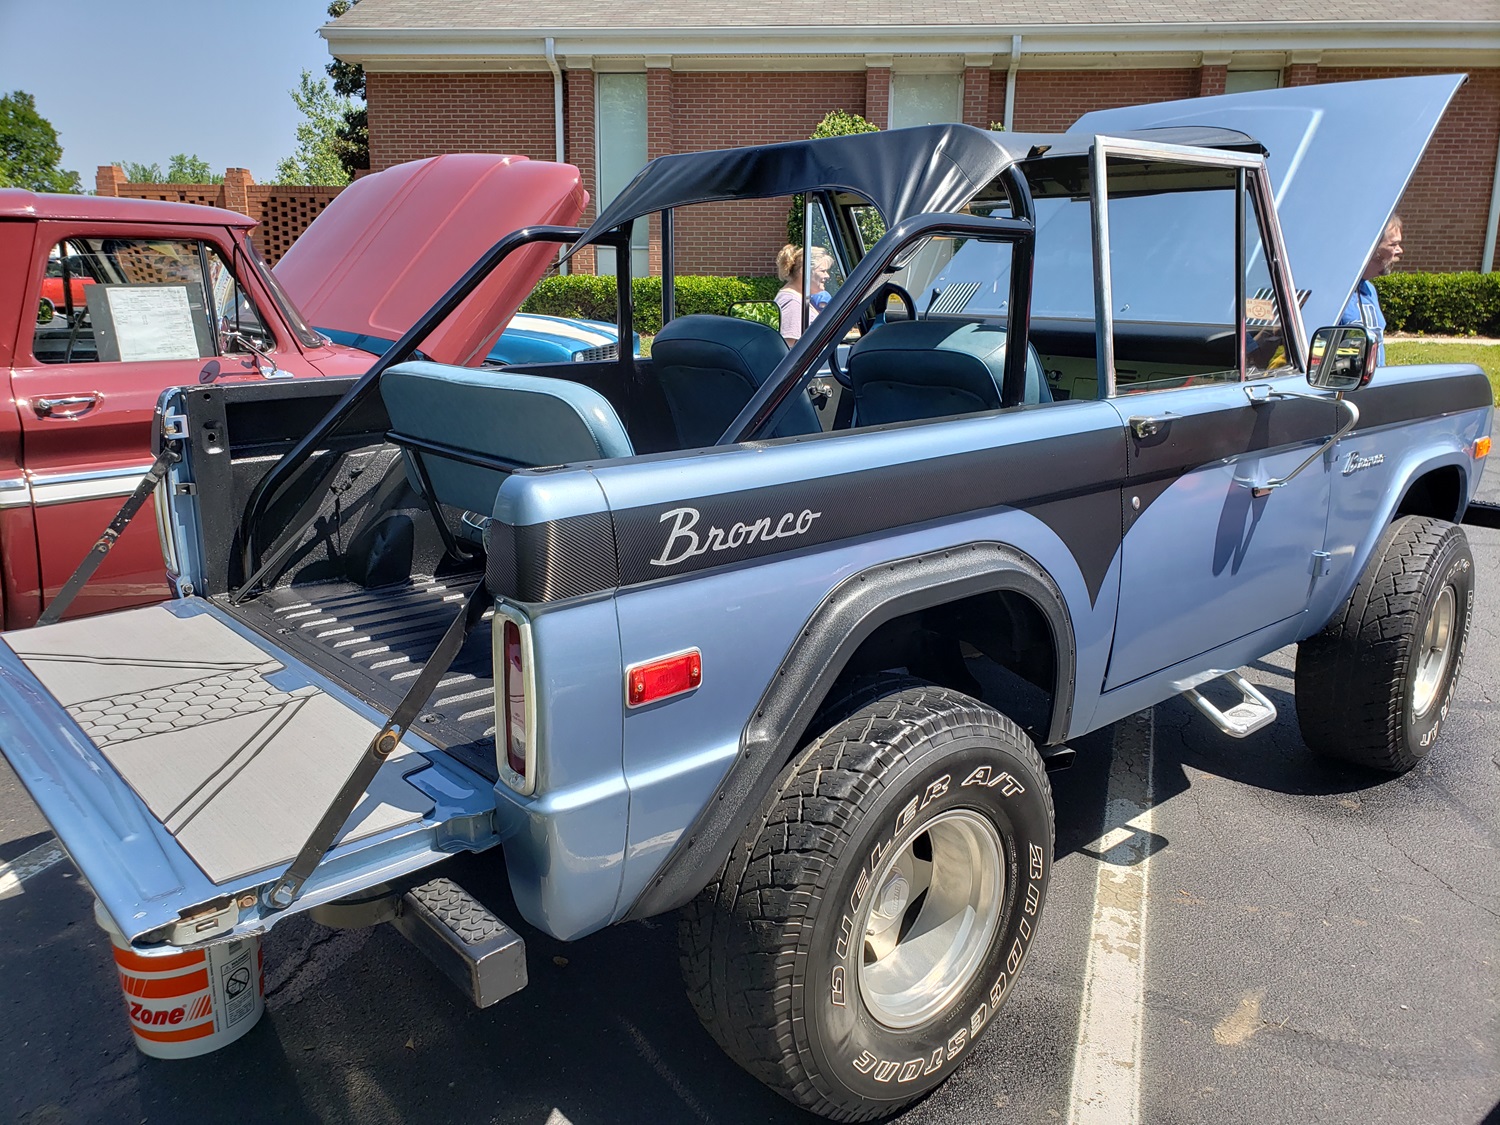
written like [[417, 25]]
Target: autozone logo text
[[157, 1017]]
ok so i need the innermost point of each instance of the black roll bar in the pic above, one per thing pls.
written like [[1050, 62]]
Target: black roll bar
[[767, 402], [403, 349]]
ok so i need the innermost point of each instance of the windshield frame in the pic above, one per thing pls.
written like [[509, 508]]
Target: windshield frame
[[306, 334]]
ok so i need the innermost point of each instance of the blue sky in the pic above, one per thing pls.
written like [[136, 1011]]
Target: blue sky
[[143, 79]]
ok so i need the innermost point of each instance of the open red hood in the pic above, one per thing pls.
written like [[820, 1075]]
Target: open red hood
[[383, 252]]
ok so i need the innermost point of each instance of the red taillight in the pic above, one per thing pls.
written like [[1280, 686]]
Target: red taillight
[[671, 675], [515, 700]]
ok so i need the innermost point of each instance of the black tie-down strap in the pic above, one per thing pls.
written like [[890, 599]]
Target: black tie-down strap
[[91, 561], [285, 892]]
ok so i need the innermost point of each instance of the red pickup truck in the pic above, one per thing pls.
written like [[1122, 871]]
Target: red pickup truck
[[166, 294]]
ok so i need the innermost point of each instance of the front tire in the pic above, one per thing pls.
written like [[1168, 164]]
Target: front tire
[[870, 923], [1374, 687]]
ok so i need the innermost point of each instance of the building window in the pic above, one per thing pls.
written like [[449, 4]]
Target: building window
[[1239, 81], [926, 99], [621, 145]]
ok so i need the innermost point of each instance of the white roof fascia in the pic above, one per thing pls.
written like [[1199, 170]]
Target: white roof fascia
[[424, 48]]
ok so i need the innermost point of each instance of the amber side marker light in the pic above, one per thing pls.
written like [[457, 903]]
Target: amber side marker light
[[662, 678], [1481, 447]]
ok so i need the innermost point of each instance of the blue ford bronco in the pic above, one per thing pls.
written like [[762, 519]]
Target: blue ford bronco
[[786, 639]]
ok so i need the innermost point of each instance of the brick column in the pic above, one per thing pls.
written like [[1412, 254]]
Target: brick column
[[976, 105], [1212, 79], [234, 193], [661, 138], [1302, 69], [878, 92], [108, 178], [580, 124]]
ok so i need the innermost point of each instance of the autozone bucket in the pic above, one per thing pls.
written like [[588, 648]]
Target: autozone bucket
[[191, 1002]]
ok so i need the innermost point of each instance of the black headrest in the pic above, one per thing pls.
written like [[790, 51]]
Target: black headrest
[[719, 343]]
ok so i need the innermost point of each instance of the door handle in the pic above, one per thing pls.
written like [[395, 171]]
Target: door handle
[[69, 406], [1147, 426]]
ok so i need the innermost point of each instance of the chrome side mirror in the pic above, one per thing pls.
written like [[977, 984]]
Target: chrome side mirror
[[1343, 357], [45, 311]]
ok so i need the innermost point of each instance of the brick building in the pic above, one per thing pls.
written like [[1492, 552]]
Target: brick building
[[607, 85]]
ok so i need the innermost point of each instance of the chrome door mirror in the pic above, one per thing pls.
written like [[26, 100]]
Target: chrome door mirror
[[1342, 357]]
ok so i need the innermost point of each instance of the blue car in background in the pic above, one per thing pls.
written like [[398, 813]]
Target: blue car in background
[[529, 338]]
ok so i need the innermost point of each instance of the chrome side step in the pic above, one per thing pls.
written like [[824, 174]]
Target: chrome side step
[[1252, 712], [475, 949]]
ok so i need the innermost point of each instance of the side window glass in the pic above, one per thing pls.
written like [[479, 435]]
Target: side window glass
[[124, 300], [1265, 332], [238, 322], [868, 225], [1172, 275], [825, 252]]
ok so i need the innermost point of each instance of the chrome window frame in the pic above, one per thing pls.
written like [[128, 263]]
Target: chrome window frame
[[1253, 174]]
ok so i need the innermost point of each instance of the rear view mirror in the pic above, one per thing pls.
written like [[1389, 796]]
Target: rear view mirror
[[45, 311], [1343, 357]]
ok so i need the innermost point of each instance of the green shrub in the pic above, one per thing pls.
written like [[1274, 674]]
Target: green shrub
[[594, 297], [1441, 304]]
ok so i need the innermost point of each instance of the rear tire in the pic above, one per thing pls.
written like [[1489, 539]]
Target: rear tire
[[1374, 687], [925, 814]]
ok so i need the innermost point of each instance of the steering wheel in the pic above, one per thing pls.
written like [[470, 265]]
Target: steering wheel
[[873, 312]]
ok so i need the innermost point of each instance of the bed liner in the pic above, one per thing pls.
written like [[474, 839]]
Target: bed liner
[[374, 642]]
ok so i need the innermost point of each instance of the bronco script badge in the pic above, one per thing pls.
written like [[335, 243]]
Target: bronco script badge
[[1356, 462]]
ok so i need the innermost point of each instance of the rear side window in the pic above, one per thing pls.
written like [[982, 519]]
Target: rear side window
[[125, 300]]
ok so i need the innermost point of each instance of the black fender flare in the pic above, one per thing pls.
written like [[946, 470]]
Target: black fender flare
[[853, 610]]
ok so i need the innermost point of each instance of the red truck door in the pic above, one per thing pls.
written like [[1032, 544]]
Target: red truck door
[[17, 540], [86, 382]]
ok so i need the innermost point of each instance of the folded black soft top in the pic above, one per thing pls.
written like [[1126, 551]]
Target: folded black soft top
[[901, 171]]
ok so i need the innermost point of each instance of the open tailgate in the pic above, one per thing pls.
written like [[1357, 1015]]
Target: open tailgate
[[183, 761]]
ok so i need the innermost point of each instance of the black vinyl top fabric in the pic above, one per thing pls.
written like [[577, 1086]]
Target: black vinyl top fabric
[[901, 171]]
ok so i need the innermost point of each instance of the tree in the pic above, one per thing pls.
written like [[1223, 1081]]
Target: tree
[[838, 123], [29, 150], [142, 173], [349, 82], [181, 169], [185, 169], [316, 160]]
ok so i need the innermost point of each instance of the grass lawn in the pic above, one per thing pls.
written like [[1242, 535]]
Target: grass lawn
[[1486, 356]]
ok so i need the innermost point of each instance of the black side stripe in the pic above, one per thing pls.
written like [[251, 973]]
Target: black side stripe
[[1070, 482], [1383, 404]]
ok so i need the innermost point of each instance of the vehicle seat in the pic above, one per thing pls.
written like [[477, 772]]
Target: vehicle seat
[[465, 430], [708, 367], [905, 370]]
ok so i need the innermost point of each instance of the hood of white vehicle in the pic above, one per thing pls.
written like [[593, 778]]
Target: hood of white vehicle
[[1340, 156]]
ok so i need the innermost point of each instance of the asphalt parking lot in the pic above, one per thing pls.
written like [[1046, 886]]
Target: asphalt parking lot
[[1316, 944]]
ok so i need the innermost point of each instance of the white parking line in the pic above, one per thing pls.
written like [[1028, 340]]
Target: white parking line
[[1107, 1062], [23, 867]]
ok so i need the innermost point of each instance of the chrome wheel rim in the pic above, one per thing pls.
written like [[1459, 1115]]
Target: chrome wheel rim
[[929, 917], [1434, 652]]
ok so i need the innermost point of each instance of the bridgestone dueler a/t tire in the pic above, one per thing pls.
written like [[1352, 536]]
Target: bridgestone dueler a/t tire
[[772, 952], [1357, 679]]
